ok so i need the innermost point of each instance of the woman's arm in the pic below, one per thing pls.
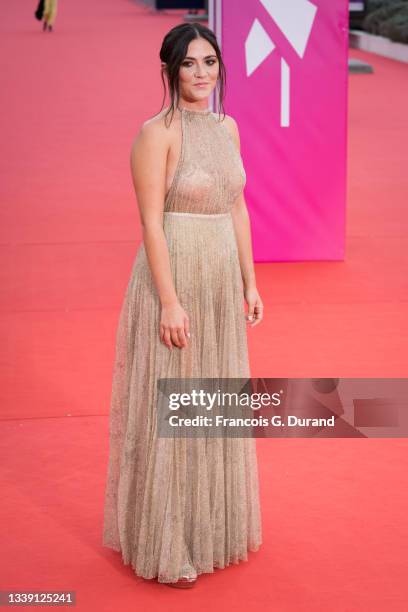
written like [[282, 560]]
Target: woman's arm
[[242, 227], [148, 167]]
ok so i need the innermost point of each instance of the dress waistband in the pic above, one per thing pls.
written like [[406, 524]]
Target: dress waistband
[[189, 214]]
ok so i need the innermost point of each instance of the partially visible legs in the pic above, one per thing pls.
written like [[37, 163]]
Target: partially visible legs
[[50, 13]]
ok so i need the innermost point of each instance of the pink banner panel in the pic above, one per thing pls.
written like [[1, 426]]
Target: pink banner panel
[[287, 71]]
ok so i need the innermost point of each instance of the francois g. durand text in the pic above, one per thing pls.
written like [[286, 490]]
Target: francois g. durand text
[[276, 421]]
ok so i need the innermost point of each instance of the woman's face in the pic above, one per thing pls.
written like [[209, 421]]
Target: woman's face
[[198, 72]]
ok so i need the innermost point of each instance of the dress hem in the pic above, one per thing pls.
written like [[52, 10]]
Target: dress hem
[[199, 571]]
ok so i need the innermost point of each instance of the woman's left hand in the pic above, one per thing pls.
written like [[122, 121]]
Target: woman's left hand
[[255, 306]]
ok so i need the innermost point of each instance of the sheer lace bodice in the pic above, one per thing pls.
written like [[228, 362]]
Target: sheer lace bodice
[[210, 174]]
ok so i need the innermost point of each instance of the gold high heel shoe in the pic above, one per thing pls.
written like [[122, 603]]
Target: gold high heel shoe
[[186, 580], [182, 583]]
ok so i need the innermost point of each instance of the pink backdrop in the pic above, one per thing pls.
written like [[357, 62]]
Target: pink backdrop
[[287, 76]]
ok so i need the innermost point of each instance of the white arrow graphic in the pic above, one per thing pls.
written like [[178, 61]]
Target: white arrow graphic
[[295, 19], [258, 46]]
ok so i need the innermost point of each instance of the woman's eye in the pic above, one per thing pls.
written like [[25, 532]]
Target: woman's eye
[[189, 64]]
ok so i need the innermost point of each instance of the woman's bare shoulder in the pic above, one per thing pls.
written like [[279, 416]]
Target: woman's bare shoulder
[[152, 134], [154, 131]]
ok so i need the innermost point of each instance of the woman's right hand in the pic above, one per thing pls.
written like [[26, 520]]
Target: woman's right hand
[[174, 325]]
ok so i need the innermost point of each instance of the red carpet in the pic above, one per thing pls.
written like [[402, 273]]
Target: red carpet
[[334, 511]]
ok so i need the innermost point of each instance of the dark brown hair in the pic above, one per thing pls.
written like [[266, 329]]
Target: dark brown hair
[[174, 50]]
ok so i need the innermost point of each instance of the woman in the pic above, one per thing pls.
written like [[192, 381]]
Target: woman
[[49, 14], [177, 508]]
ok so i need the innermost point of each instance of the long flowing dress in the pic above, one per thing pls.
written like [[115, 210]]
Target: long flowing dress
[[184, 506]]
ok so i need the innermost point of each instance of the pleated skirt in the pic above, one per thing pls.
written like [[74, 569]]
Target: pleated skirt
[[180, 506]]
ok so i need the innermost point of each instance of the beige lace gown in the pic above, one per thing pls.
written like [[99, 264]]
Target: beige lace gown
[[184, 506]]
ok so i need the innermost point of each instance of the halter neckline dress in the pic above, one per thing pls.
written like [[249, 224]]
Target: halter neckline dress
[[184, 506]]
